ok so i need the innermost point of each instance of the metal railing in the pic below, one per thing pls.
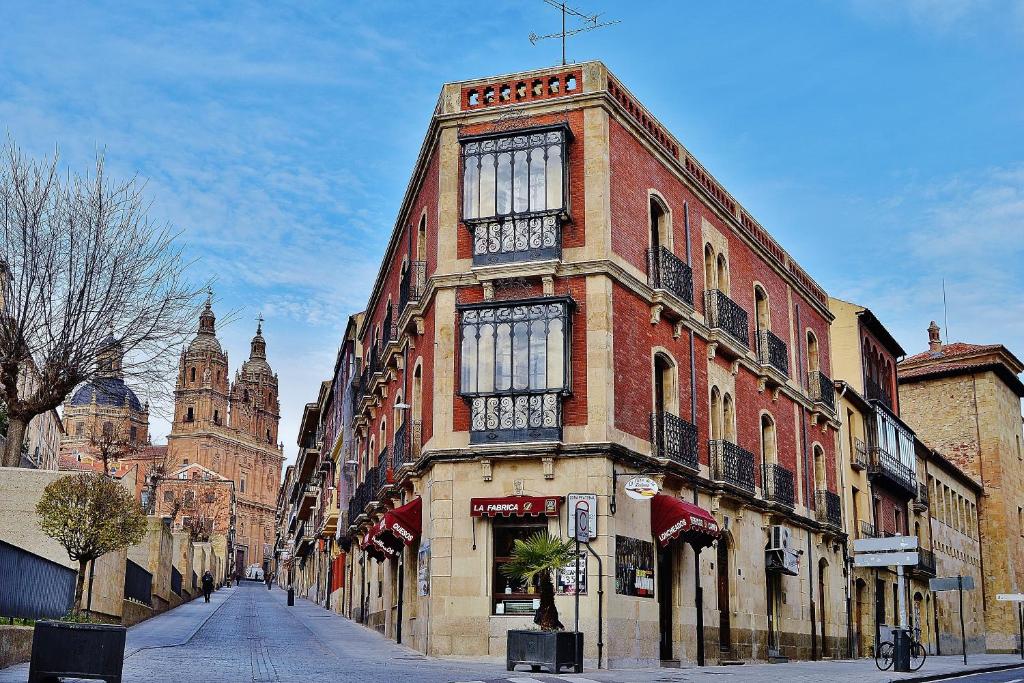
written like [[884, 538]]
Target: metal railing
[[821, 389], [33, 587], [859, 458], [723, 313], [175, 580], [922, 499], [828, 508], [665, 270], [778, 485], [407, 444], [731, 464], [925, 562], [771, 350], [874, 390], [887, 465], [411, 288], [867, 529], [675, 439], [138, 583], [390, 329]]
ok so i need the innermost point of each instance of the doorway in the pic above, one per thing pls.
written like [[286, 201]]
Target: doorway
[[665, 600], [773, 590], [724, 608], [822, 568]]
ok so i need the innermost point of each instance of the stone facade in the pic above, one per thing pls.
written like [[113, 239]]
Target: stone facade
[[964, 400], [230, 428], [680, 339]]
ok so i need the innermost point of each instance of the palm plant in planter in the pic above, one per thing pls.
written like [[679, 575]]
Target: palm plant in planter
[[538, 557]]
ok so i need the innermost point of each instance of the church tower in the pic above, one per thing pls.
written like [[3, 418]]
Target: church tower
[[201, 392], [254, 405]]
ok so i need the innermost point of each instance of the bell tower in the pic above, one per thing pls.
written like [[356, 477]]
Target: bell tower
[[201, 391], [255, 409]]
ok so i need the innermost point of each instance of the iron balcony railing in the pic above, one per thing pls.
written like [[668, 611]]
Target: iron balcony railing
[[407, 444], [867, 529], [922, 499], [731, 464], [874, 390], [859, 458], [411, 288], [828, 508], [723, 313], [675, 439], [884, 464], [34, 587], [390, 329], [925, 562], [778, 485], [667, 271], [771, 351], [821, 389]]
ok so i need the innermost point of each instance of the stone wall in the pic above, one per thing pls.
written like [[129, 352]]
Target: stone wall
[[107, 585], [15, 644], [155, 554]]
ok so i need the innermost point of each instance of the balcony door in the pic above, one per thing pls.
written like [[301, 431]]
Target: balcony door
[[665, 600]]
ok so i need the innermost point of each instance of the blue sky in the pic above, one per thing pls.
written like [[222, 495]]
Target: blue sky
[[882, 142]]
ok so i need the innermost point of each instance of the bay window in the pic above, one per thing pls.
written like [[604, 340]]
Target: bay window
[[515, 369], [514, 194]]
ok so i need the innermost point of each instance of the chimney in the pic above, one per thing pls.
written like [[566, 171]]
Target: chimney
[[934, 341]]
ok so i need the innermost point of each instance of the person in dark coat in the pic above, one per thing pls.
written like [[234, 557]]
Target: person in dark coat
[[269, 577], [207, 585]]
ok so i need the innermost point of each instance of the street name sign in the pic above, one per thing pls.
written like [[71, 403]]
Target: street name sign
[[950, 583], [1010, 597], [889, 544], [885, 559]]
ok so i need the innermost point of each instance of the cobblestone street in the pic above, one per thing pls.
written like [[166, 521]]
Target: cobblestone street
[[249, 634]]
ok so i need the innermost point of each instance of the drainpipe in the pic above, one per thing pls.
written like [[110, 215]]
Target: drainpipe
[[847, 560], [807, 497]]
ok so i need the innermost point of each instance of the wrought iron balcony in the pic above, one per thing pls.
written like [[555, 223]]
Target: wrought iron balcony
[[731, 465], [925, 563], [828, 508], [390, 327], [859, 458], [887, 466], [771, 351], [407, 444], [379, 476], [921, 500], [874, 390], [413, 282], [667, 271], [778, 485], [725, 314], [867, 530], [821, 389], [675, 439], [535, 236], [516, 417]]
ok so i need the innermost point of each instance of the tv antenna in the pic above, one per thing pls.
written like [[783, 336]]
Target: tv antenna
[[590, 22]]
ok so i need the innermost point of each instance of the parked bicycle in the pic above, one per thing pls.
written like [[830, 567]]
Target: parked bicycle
[[887, 651]]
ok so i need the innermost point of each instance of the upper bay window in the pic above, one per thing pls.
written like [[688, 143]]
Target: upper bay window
[[515, 368], [514, 194]]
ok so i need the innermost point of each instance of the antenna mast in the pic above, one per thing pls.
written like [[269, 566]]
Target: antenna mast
[[590, 22], [945, 310]]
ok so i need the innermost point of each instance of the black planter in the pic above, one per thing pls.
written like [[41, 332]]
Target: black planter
[[550, 649], [76, 651]]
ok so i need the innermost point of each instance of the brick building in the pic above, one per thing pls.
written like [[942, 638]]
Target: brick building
[[964, 399], [230, 427], [569, 299]]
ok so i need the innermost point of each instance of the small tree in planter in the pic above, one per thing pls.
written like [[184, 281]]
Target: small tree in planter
[[539, 557], [90, 515]]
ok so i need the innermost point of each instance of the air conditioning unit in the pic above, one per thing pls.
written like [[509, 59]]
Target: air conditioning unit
[[779, 538]]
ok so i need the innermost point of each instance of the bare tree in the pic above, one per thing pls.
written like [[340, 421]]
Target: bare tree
[[111, 444], [205, 505], [80, 260]]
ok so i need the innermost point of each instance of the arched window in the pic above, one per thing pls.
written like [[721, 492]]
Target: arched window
[[417, 393], [716, 414], [192, 375], [190, 414], [723, 275], [820, 475], [383, 436], [728, 418], [661, 226], [812, 352], [399, 413], [665, 392], [216, 417], [762, 317], [769, 452], [421, 239], [709, 268]]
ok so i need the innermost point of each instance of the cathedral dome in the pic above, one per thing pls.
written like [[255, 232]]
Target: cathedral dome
[[107, 391], [257, 363], [206, 337]]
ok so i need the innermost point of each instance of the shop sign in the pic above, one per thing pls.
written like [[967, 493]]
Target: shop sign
[[641, 488], [515, 506], [567, 579], [634, 567], [574, 500], [423, 568]]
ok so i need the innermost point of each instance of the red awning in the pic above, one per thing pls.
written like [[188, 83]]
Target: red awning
[[515, 506], [404, 523], [672, 518], [377, 544]]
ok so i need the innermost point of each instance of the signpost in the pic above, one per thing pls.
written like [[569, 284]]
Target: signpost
[[1019, 599], [582, 518], [960, 584], [900, 551]]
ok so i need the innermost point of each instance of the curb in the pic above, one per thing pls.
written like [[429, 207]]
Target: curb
[[955, 674]]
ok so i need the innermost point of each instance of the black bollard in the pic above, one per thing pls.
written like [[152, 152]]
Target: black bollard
[[901, 649], [291, 597]]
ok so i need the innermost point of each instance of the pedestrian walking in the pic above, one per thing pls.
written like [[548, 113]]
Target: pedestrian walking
[[270, 579], [207, 585]]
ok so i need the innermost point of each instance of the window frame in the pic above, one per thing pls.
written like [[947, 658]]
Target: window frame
[[533, 525]]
